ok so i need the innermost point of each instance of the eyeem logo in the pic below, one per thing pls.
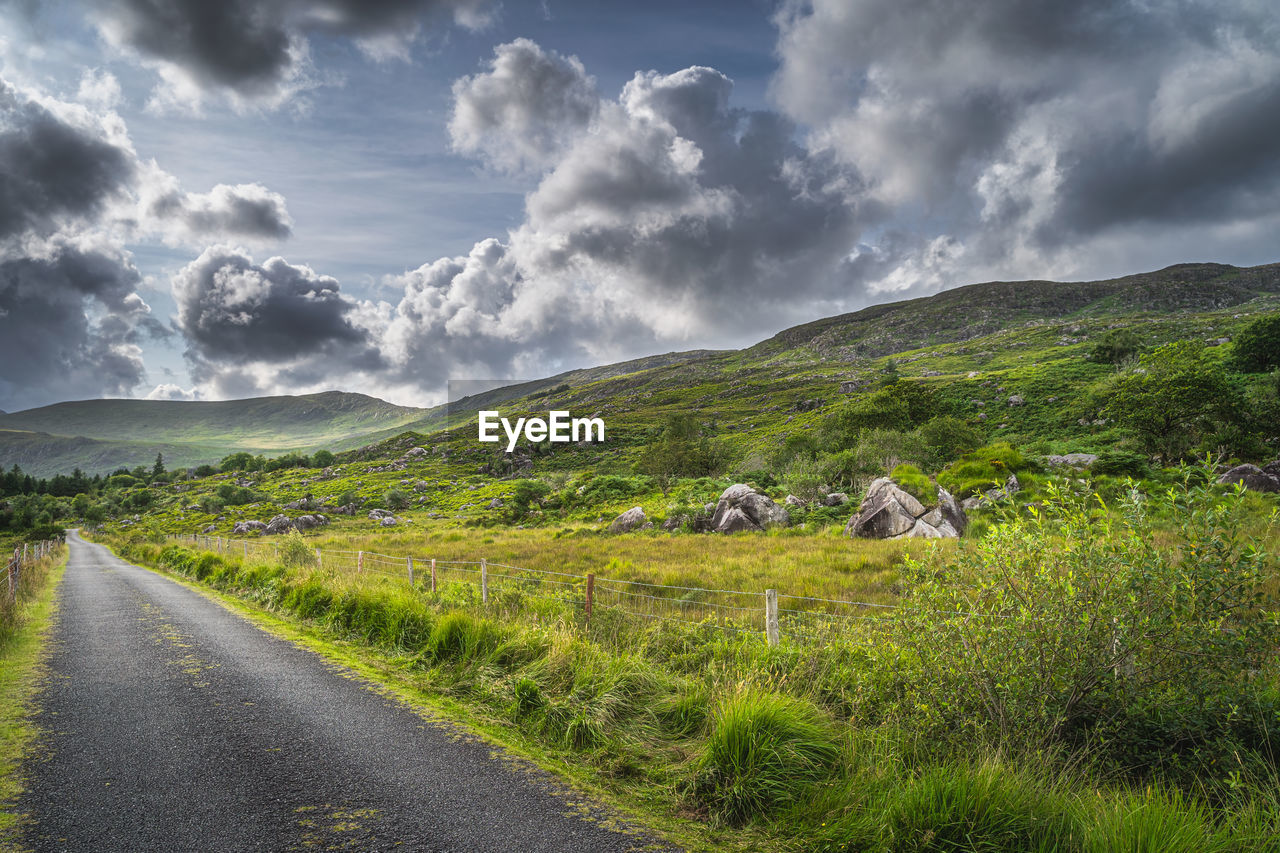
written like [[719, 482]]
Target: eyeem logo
[[558, 427]]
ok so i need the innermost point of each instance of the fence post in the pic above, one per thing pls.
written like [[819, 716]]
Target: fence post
[[409, 560], [319, 559], [360, 561], [484, 581], [591, 594], [246, 549], [771, 615], [433, 574]]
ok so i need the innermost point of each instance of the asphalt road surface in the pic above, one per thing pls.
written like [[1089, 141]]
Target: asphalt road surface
[[172, 724]]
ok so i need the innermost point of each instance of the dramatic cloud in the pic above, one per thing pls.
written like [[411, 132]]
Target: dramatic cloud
[[70, 327], [257, 50], [72, 194], [523, 113], [58, 164], [284, 323], [1028, 129]]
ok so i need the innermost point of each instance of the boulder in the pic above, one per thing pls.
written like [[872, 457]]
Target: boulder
[[1016, 400], [389, 521], [733, 520], [379, 514], [279, 524], [245, 527], [1073, 460], [628, 521], [310, 522], [1252, 477], [792, 500], [835, 499], [496, 503], [758, 510], [1272, 468], [211, 528], [885, 512], [889, 512]]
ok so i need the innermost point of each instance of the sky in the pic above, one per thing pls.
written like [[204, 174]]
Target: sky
[[222, 200]]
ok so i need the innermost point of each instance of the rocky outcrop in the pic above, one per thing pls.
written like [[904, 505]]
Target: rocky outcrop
[[279, 524], [380, 514], [310, 522], [835, 499], [1253, 478], [247, 527], [628, 521], [792, 500], [1079, 461], [742, 508], [889, 512]]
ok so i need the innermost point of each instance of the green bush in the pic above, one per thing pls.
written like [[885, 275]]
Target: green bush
[[763, 750], [1116, 346], [295, 551], [1121, 463], [1055, 626], [396, 499], [915, 482], [949, 438], [985, 468], [1256, 348]]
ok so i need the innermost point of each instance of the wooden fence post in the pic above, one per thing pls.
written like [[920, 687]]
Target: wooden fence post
[[319, 559], [433, 574], [360, 561], [246, 549], [771, 615], [409, 560], [484, 581], [591, 594]]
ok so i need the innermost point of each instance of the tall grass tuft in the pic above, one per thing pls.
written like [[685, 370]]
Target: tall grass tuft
[[763, 749]]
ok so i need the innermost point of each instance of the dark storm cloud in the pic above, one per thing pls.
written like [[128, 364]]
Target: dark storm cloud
[[1027, 128], [233, 312], [245, 211], [52, 170], [254, 48], [50, 349]]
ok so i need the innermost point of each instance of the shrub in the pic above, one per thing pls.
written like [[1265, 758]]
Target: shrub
[[1121, 463], [804, 478], [764, 748], [1256, 348], [915, 482], [949, 438], [984, 468], [396, 499], [1053, 626], [295, 552], [1116, 346]]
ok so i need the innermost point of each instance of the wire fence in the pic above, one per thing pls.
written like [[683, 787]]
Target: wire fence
[[29, 553], [797, 618]]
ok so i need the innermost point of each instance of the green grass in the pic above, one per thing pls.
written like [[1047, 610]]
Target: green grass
[[21, 649]]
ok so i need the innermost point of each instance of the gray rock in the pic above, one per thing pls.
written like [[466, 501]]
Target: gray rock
[[1011, 485], [279, 524], [1073, 460], [1252, 477], [310, 522], [496, 503], [835, 499], [628, 521], [243, 527], [887, 511], [734, 520], [389, 521], [212, 528], [759, 510], [792, 500], [971, 503], [1016, 400], [952, 513], [1272, 468], [379, 514], [921, 530]]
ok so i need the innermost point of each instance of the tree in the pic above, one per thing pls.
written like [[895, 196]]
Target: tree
[[680, 450], [236, 462], [1116, 346], [322, 459], [396, 499], [1257, 347], [1171, 398], [527, 494], [157, 469]]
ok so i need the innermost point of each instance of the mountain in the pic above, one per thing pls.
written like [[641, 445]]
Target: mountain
[[1011, 328]]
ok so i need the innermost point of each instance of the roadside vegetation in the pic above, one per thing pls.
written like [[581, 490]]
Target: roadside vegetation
[[1091, 667]]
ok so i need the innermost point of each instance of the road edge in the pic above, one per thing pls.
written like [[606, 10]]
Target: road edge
[[22, 672]]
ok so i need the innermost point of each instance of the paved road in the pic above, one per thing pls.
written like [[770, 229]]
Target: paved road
[[173, 724]]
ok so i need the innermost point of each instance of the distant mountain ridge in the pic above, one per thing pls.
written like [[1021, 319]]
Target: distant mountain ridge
[[100, 435]]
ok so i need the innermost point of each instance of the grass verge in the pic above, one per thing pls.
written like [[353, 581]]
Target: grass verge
[[21, 651]]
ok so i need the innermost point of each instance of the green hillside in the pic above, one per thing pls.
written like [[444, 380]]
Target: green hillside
[[1028, 338]]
